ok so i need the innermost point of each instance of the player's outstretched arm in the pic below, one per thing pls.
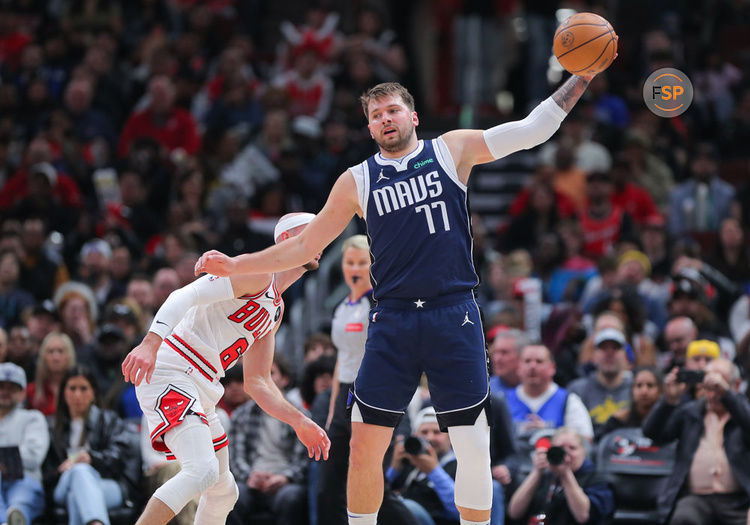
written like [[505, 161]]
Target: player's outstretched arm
[[472, 146], [258, 383], [341, 206]]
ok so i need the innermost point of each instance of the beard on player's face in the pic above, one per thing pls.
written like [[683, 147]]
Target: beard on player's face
[[398, 145]]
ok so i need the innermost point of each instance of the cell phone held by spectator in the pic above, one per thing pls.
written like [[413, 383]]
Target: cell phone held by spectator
[[690, 377]]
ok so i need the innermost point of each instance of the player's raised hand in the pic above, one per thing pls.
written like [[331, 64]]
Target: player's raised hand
[[314, 438], [215, 263], [141, 360]]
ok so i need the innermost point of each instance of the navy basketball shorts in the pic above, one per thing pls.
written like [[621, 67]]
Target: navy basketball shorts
[[441, 337]]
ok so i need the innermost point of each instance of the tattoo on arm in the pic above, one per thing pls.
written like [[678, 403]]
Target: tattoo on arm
[[569, 93]]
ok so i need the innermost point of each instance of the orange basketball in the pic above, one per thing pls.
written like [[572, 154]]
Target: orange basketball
[[585, 44]]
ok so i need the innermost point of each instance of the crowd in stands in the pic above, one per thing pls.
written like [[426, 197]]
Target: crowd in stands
[[135, 135]]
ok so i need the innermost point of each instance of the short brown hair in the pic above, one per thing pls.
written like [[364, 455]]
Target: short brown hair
[[383, 90]]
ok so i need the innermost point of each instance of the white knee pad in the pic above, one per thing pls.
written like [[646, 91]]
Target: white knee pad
[[217, 501], [224, 493], [471, 444], [192, 446]]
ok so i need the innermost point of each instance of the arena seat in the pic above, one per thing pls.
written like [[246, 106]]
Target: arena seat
[[637, 471], [122, 515]]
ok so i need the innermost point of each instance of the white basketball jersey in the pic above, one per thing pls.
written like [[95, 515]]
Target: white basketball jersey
[[212, 337]]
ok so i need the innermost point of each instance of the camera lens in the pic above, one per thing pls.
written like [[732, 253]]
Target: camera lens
[[413, 445], [556, 455]]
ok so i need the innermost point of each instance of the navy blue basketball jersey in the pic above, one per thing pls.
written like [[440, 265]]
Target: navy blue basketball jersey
[[418, 223]]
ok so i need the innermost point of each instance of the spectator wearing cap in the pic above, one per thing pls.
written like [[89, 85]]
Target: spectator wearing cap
[[678, 334], [634, 269], [426, 478], [703, 201], [78, 313], [710, 481], [23, 432], [56, 356], [42, 320], [13, 298], [690, 298], [700, 353], [126, 315], [505, 352], [538, 402], [607, 390], [603, 224]]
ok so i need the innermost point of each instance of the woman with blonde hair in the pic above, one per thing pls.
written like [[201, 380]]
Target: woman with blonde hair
[[56, 356]]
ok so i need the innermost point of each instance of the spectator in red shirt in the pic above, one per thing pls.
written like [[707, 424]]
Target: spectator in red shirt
[[172, 127], [635, 200], [309, 89], [603, 224], [17, 188]]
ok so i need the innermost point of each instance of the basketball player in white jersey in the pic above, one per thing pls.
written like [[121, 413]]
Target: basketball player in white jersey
[[200, 331]]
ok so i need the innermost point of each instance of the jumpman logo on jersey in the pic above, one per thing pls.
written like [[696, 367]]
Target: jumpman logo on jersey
[[381, 177], [467, 320]]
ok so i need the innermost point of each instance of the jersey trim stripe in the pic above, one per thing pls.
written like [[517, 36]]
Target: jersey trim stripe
[[194, 363], [401, 164], [445, 159], [203, 359]]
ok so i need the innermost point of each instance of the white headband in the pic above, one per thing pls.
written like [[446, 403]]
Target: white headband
[[287, 223]]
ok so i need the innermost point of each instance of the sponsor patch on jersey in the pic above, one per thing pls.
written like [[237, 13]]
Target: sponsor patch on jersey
[[354, 327], [213, 277]]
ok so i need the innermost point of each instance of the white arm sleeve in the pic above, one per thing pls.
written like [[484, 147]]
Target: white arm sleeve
[[536, 128], [577, 416], [204, 290]]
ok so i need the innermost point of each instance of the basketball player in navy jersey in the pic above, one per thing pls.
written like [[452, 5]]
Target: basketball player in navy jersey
[[412, 195]]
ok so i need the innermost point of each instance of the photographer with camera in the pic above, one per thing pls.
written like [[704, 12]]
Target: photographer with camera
[[710, 481], [563, 486], [423, 470]]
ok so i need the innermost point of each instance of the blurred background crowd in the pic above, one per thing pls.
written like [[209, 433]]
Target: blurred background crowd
[[135, 135]]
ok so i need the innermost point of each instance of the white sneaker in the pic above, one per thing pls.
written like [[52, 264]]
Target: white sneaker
[[15, 517]]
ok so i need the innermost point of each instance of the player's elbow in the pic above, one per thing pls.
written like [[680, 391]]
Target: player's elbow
[[252, 386]]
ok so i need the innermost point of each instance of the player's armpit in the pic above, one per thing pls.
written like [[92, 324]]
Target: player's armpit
[[468, 148]]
